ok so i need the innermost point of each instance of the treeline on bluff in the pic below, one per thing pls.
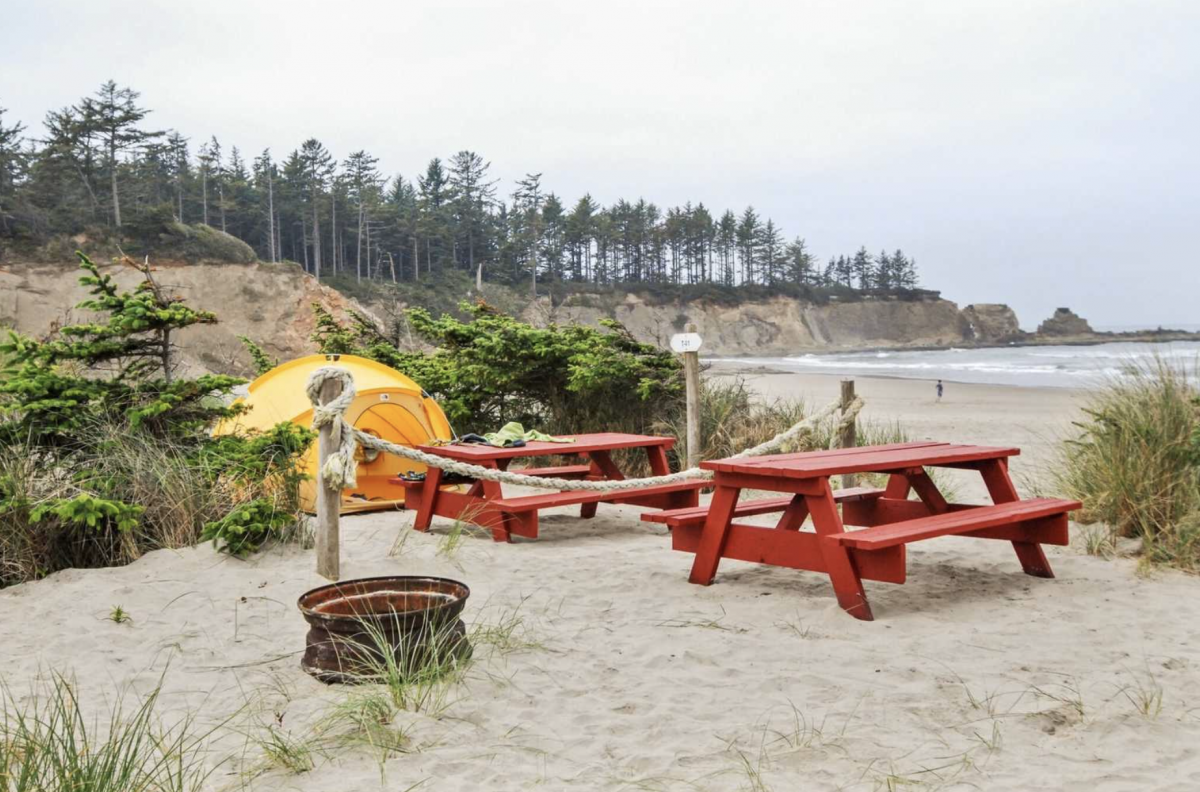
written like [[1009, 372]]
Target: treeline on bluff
[[100, 168]]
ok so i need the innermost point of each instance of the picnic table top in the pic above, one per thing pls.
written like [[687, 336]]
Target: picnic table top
[[864, 459], [584, 443]]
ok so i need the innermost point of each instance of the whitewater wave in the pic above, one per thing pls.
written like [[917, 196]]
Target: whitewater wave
[[1048, 366]]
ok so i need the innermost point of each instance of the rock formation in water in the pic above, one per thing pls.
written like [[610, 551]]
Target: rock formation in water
[[1064, 323]]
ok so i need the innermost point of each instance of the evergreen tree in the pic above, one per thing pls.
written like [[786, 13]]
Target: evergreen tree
[[12, 168], [747, 242], [528, 224], [863, 269], [316, 169], [473, 197], [800, 263], [115, 115], [433, 191]]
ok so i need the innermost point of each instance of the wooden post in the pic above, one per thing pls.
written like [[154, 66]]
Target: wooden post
[[329, 502], [691, 375], [849, 436]]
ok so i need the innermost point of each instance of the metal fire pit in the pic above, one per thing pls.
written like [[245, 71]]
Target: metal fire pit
[[416, 617]]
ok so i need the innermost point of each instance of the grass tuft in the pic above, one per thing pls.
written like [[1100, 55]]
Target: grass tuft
[[47, 744], [1135, 463]]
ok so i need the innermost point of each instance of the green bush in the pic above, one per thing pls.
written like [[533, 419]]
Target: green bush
[[1135, 461], [493, 369], [156, 231]]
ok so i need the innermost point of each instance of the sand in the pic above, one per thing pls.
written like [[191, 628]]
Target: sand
[[973, 676]]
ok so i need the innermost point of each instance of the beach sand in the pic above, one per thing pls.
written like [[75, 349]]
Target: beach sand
[[974, 676]]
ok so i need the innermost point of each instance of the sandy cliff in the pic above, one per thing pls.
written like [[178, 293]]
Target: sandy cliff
[[268, 303], [780, 325], [271, 305]]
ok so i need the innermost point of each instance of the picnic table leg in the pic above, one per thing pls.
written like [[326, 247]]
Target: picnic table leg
[[794, 515], [847, 585], [659, 466], [490, 491], [429, 494], [897, 487], [602, 468], [1000, 487], [928, 492], [712, 539]]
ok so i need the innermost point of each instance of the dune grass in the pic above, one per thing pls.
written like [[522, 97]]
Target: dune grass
[[47, 744], [177, 491], [1134, 462]]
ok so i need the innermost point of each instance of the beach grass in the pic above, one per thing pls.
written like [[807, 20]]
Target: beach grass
[[48, 744], [1134, 463]]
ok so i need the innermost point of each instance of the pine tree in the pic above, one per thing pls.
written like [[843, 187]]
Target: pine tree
[[116, 116], [528, 223], [473, 197], [317, 168], [863, 269], [53, 388], [800, 263], [747, 242], [433, 190], [12, 168]]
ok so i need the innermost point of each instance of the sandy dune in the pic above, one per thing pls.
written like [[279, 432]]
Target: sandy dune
[[974, 676]]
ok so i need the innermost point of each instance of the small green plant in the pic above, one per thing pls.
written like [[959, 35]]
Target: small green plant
[[1068, 693], [418, 671], [245, 529], [261, 360], [119, 615], [506, 633], [366, 718], [285, 751], [89, 511], [1145, 694]]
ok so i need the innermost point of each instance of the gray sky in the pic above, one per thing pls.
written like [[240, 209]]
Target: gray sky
[[1036, 152]]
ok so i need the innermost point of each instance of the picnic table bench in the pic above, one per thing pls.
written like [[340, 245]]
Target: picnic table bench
[[485, 504], [888, 519]]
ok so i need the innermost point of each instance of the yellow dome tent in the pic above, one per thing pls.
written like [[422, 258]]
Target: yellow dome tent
[[388, 405]]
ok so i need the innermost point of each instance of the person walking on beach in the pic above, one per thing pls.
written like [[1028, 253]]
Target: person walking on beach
[[939, 390]]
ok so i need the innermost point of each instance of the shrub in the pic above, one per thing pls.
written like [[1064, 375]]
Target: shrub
[[157, 230], [493, 369], [1135, 462]]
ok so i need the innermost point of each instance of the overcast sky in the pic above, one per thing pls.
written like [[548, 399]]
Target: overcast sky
[[1039, 153]]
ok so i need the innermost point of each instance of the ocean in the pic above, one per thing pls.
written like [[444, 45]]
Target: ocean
[[1026, 366]]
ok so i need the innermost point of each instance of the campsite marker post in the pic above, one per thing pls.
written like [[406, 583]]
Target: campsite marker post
[[329, 502], [688, 344], [849, 434]]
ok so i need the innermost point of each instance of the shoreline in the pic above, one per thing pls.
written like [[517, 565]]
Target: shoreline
[[1167, 337]]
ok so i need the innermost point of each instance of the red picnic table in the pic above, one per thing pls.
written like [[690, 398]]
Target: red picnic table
[[484, 503], [889, 519]]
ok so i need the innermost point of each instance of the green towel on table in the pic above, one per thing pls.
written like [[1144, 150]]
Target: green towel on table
[[513, 431]]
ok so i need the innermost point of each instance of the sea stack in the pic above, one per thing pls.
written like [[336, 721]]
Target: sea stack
[[1064, 323]]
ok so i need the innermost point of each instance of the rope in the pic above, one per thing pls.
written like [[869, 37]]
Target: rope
[[340, 467]]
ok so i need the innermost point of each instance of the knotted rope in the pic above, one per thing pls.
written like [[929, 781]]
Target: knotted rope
[[340, 467]]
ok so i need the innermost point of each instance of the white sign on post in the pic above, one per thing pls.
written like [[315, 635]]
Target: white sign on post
[[686, 342]]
